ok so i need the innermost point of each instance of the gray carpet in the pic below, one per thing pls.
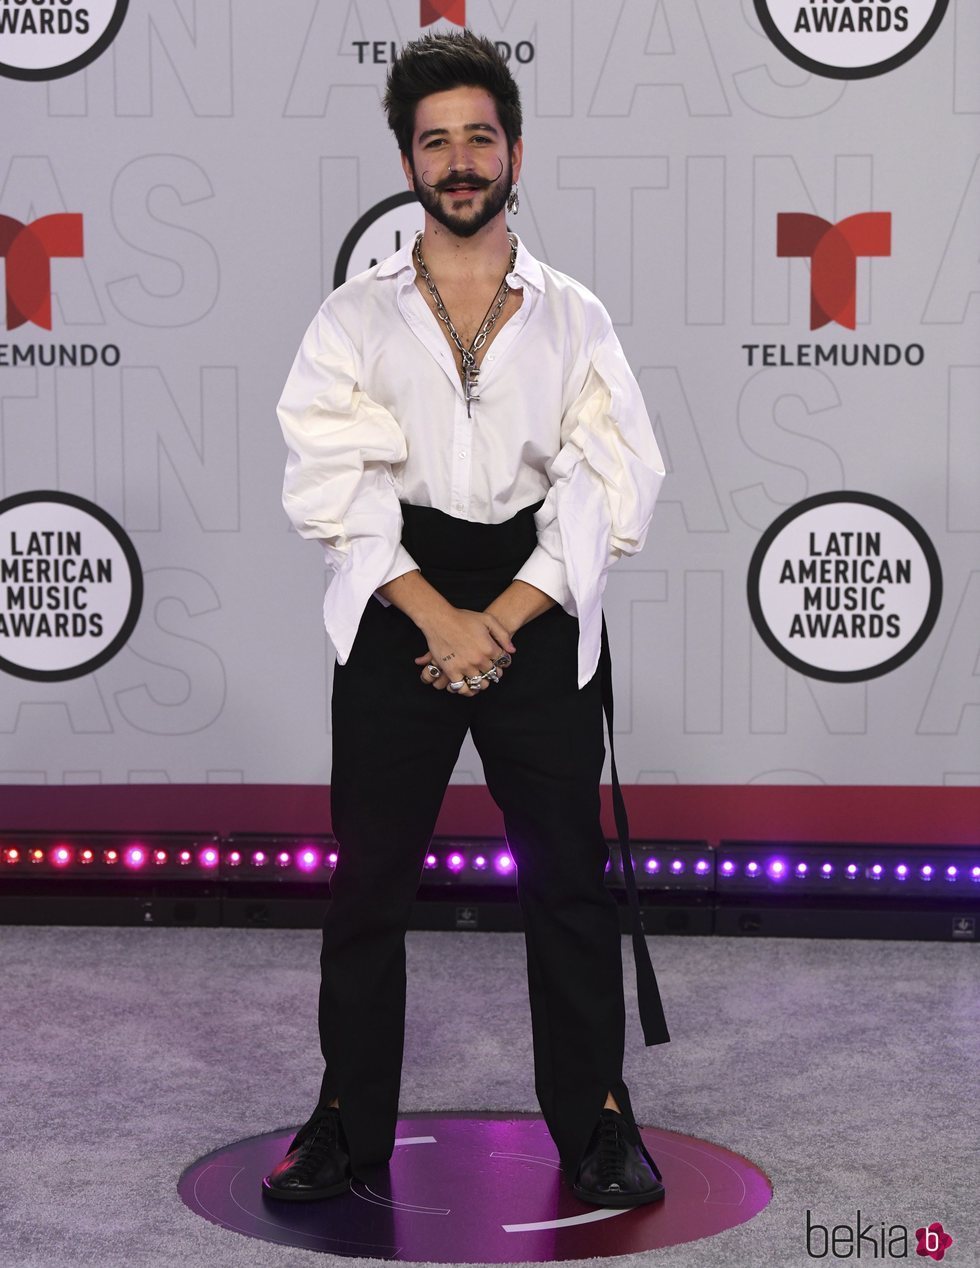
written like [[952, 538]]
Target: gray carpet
[[846, 1070]]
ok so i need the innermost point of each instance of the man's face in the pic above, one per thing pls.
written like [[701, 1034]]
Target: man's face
[[461, 168]]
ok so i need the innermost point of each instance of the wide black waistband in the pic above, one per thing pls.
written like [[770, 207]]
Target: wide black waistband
[[442, 542]]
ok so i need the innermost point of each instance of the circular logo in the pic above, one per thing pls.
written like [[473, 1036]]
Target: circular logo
[[850, 39], [464, 1188], [71, 587], [844, 586], [381, 231], [49, 40]]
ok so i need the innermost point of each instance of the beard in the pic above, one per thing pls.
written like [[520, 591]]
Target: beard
[[487, 200]]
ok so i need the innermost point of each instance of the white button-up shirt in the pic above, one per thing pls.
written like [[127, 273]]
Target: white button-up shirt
[[374, 415]]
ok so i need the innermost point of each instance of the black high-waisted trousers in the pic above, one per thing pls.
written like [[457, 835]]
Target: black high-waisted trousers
[[395, 742]]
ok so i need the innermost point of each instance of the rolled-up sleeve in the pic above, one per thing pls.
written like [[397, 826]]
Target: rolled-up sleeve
[[338, 487], [605, 482]]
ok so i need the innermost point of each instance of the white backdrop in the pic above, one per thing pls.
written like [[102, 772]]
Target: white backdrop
[[220, 154]]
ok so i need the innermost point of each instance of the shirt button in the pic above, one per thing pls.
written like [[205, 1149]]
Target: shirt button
[[462, 453]]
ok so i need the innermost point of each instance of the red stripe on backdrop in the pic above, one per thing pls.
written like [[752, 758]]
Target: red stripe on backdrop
[[711, 812]]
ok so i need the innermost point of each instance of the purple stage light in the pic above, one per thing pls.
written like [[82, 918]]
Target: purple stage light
[[307, 859], [901, 871], [61, 855], [159, 856], [951, 872], [877, 870], [801, 869], [86, 856], [926, 872], [259, 858], [652, 865], [852, 870], [235, 857], [828, 869], [701, 866], [431, 860], [975, 873], [677, 865], [480, 862], [455, 862], [282, 858], [135, 856], [503, 863], [209, 857], [777, 868], [728, 867], [332, 858], [184, 857], [752, 868]]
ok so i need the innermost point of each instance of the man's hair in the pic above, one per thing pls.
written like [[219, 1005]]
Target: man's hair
[[442, 60]]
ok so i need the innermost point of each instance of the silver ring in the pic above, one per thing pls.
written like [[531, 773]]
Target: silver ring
[[433, 671], [475, 683], [492, 675], [503, 661], [457, 686]]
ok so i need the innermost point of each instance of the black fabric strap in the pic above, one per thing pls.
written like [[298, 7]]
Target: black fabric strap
[[651, 1010]]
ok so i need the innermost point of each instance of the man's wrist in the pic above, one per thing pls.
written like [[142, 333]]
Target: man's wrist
[[413, 595], [506, 618], [520, 603]]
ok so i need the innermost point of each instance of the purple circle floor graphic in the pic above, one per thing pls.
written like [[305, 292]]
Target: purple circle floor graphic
[[477, 1188]]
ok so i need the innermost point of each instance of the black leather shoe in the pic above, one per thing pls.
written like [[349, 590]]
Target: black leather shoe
[[616, 1169], [316, 1165]]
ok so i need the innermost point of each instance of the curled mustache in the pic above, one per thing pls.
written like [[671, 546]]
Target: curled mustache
[[459, 180]]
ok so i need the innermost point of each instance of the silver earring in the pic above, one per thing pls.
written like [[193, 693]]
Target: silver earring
[[513, 200]]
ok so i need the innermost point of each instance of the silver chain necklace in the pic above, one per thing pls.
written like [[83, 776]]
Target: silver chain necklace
[[470, 370]]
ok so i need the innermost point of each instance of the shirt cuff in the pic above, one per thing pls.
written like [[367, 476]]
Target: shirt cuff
[[547, 574], [403, 563]]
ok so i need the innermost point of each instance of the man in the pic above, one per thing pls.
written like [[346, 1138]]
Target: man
[[470, 447]]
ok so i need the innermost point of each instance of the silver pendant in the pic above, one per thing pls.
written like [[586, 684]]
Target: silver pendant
[[467, 356], [471, 372]]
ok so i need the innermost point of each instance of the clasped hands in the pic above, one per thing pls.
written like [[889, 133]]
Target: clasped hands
[[467, 648]]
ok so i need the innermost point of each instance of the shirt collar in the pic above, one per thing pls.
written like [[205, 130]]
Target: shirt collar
[[526, 268]]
